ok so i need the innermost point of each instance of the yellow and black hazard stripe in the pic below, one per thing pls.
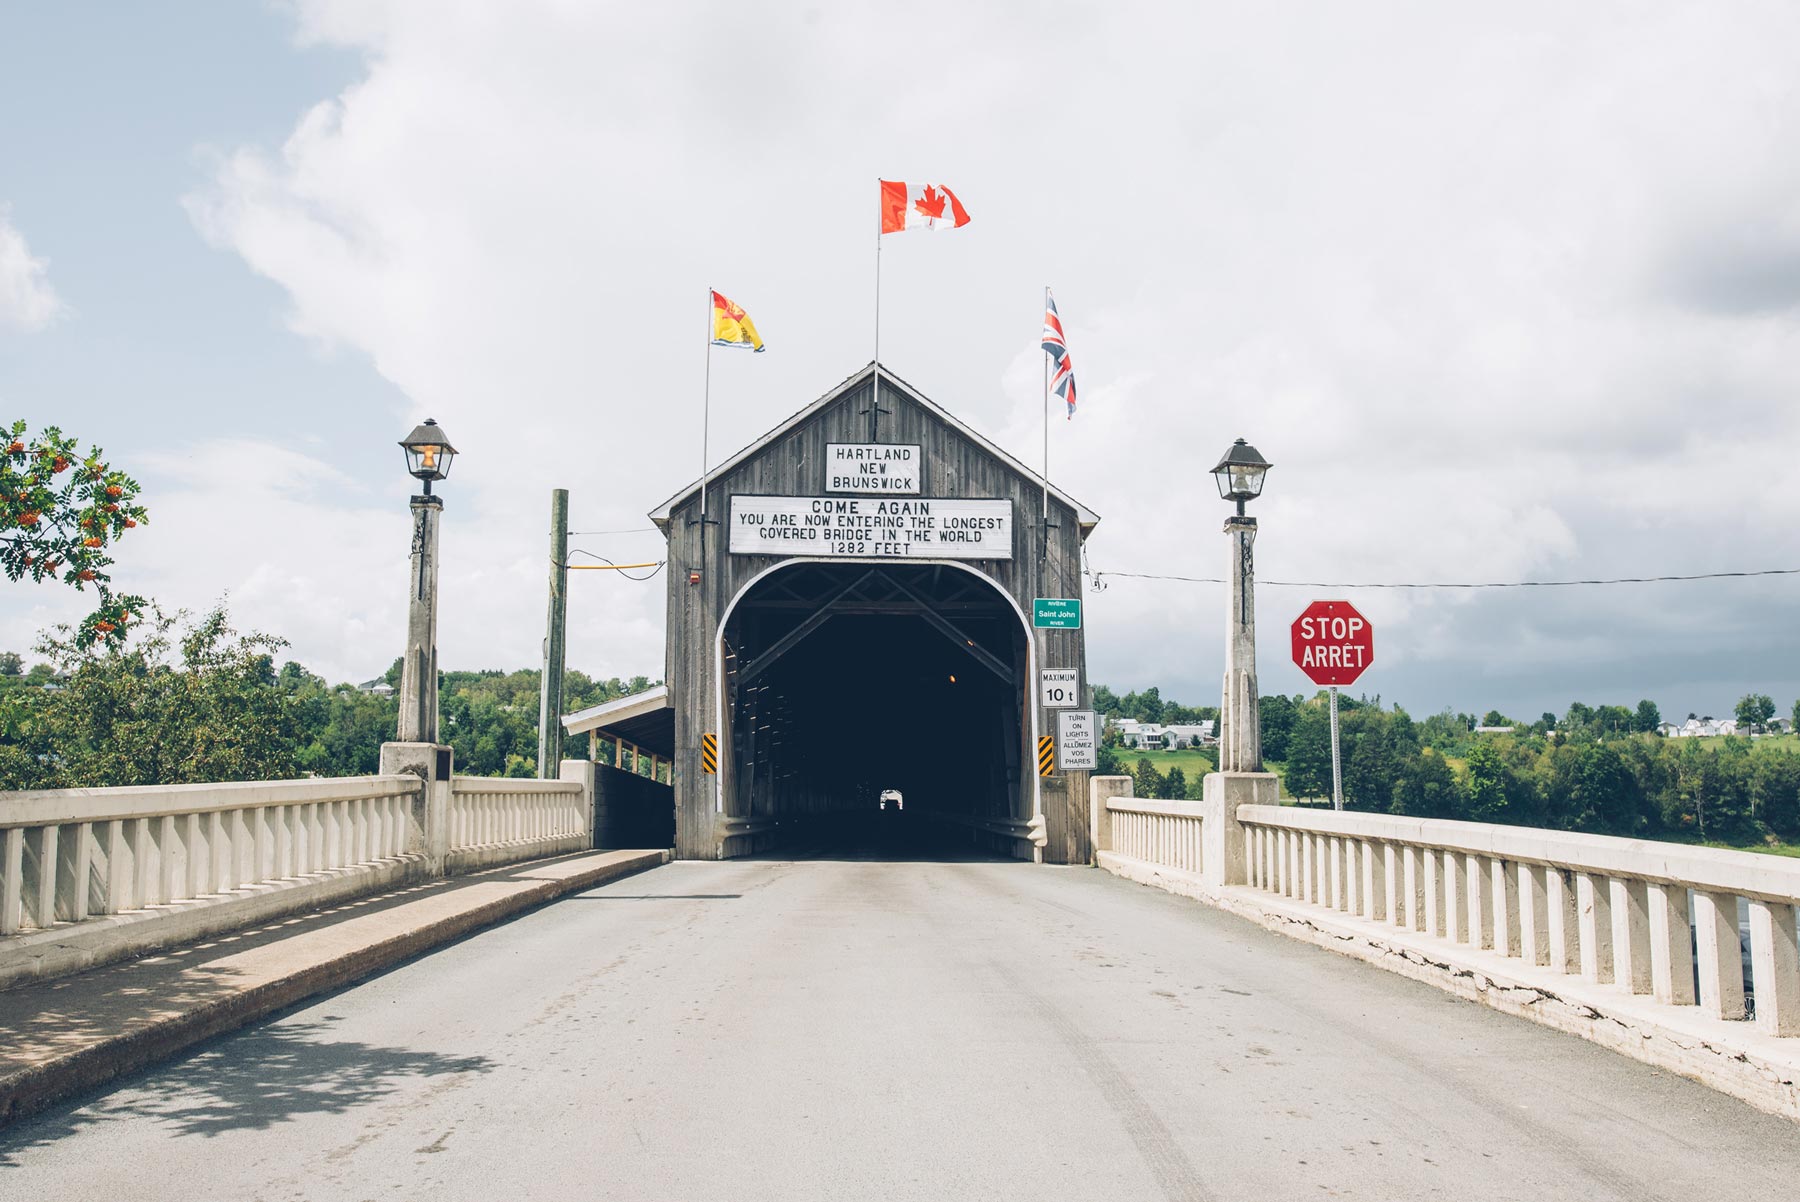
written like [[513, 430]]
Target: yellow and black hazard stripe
[[1046, 754], [709, 752]]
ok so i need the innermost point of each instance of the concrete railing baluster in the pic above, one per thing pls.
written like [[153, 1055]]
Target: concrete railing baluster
[[1720, 956], [1593, 901], [1671, 946], [1629, 904], [1775, 967]]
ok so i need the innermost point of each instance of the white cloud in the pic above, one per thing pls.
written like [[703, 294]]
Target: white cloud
[[1449, 268], [27, 301]]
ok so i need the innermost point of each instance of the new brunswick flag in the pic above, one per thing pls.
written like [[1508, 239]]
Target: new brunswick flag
[[732, 326]]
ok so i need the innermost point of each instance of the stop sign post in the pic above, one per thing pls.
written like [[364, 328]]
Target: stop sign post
[[1333, 643]]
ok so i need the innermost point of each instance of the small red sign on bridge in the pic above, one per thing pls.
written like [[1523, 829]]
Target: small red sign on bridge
[[1333, 643]]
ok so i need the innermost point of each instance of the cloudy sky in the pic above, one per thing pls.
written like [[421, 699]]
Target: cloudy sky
[[1509, 294]]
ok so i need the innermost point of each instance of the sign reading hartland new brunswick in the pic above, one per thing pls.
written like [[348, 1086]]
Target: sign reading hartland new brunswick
[[872, 467], [883, 528]]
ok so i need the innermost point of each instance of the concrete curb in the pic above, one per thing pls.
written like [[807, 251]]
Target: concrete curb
[[332, 958], [1731, 1057]]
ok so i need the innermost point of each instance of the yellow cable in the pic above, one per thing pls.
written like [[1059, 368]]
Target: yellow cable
[[608, 567]]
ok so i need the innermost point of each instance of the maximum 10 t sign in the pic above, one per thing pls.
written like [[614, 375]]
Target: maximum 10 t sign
[[1333, 643]]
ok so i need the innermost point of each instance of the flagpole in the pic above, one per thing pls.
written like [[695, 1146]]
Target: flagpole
[[705, 421], [875, 400], [1045, 357]]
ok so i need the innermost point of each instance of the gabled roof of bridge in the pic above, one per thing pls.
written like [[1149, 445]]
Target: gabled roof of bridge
[[1087, 517]]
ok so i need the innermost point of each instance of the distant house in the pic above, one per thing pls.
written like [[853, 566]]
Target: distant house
[[1154, 736], [1782, 726], [1496, 730], [1196, 734], [1149, 736], [1702, 728], [379, 687]]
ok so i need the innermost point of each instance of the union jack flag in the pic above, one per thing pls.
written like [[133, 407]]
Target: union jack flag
[[1062, 380]]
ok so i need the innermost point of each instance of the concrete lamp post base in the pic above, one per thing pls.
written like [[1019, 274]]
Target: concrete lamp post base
[[1221, 834], [431, 762]]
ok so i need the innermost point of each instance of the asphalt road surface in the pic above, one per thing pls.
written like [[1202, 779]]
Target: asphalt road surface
[[876, 1028]]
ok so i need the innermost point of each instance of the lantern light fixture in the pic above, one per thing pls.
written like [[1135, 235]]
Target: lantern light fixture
[[1240, 473], [428, 453]]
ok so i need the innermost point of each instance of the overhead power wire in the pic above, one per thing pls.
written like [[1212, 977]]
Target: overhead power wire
[[630, 530], [1099, 579], [607, 565]]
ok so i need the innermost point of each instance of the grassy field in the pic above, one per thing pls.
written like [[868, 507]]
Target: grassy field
[[1193, 764]]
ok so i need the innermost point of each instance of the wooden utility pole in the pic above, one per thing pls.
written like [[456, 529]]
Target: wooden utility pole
[[550, 697]]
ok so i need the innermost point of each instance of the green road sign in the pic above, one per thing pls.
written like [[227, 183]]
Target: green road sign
[[1056, 613]]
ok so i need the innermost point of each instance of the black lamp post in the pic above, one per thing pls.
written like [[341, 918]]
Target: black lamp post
[[1240, 476], [428, 458]]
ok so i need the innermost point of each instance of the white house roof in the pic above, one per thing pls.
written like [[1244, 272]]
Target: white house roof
[[1088, 519]]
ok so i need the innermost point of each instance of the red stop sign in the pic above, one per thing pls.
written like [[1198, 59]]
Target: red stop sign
[[1333, 643]]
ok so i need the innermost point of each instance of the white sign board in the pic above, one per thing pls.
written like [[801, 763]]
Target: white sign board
[[875, 527], [1077, 741], [1058, 688], [877, 467]]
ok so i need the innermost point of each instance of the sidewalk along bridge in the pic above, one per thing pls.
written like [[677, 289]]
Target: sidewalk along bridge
[[849, 611]]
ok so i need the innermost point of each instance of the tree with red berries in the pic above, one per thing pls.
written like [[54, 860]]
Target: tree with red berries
[[60, 512]]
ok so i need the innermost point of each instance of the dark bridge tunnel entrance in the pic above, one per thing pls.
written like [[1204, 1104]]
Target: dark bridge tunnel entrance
[[848, 680]]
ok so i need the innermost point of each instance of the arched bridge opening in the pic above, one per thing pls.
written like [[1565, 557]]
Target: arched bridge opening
[[876, 709]]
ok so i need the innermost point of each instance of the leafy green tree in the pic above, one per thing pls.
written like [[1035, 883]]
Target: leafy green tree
[[192, 700], [1605, 795], [1147, 781], [1309, 752], [53, 529], [1777, 786], [1446, 731], [1276, 715], [1614, 719], [1146, 706], [1754, 710], [347, 728], [1649, 717], [11, 664], [1427, 787], [1371, 757], [1175, 784], [1494, 718]]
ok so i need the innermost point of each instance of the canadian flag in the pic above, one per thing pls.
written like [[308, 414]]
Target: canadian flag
[[919, 207]]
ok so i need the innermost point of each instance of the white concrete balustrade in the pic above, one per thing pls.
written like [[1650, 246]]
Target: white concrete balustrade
[[1157, 832], [93, 875], [71, 854], [503, 820], [1650, 918]]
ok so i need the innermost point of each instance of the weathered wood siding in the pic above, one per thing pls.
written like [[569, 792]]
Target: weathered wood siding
[[794, 464]]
